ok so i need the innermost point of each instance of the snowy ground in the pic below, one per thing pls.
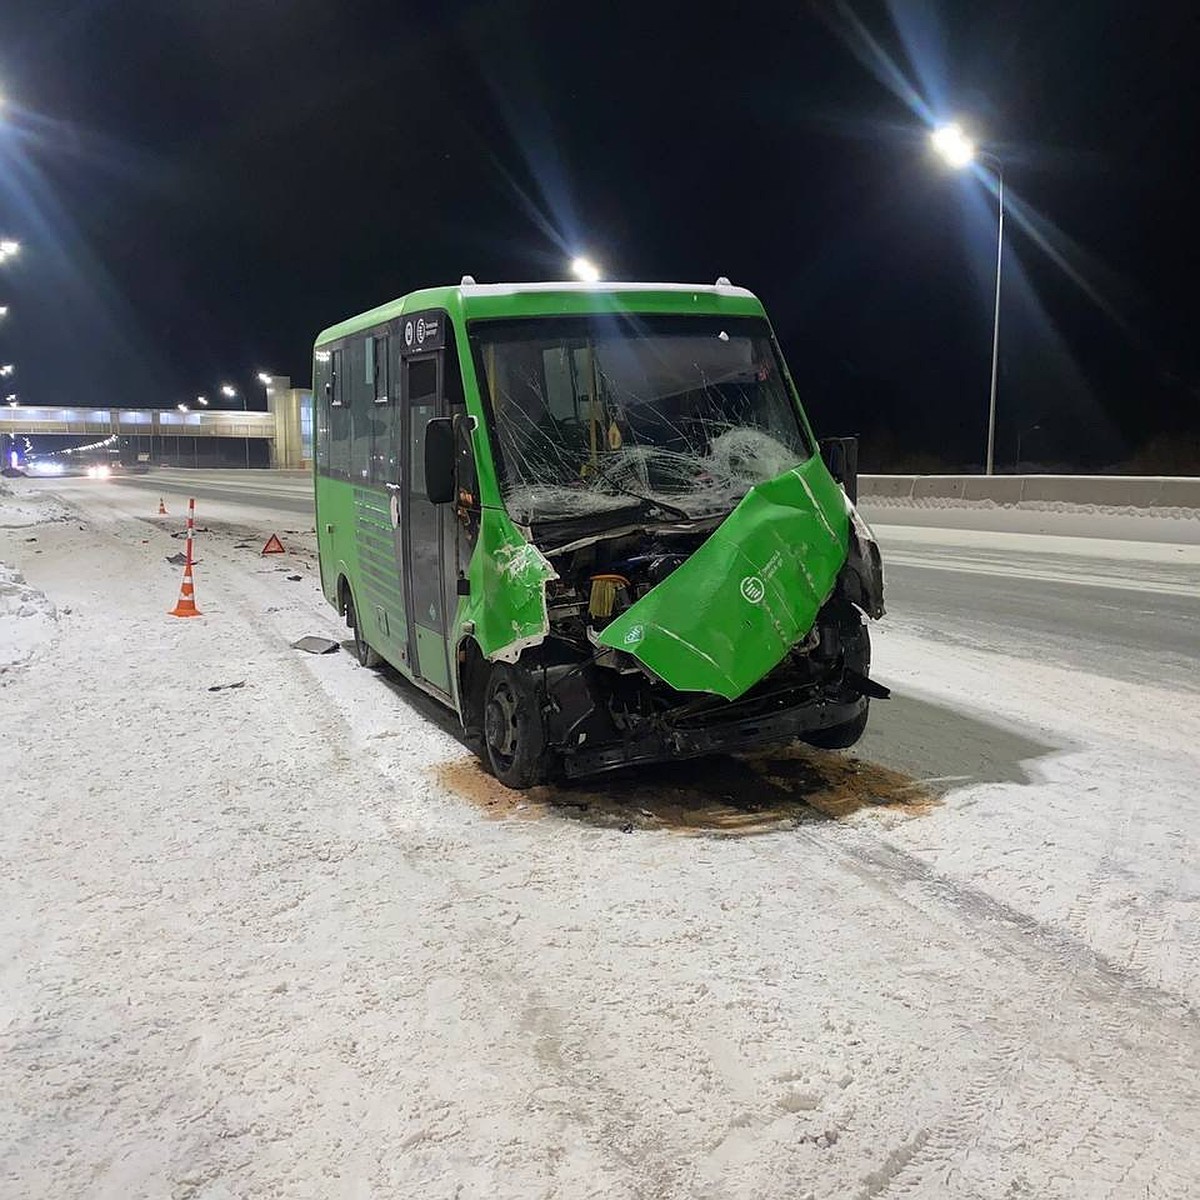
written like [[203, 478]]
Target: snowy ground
[[284, 939]]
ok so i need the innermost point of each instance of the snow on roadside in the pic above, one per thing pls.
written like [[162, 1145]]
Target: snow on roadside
[[944, 503], [27, 619], [250, 944], [1177, 526], [23, 505]]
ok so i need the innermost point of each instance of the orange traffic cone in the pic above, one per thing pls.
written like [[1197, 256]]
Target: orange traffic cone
[[185, 606], [162, 508]]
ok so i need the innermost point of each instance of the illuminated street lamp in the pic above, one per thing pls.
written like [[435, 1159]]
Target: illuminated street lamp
[[183, 408], [202, 401], [11, 400], [9, 249], [264, 378], [7, 369], [3, 310], [227, 389], [957, 150], [583, 268]]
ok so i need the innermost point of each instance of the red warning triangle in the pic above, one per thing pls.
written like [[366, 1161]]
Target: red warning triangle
[[273, 546]]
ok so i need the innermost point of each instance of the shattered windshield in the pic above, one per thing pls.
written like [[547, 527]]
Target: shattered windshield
[[605, 413]]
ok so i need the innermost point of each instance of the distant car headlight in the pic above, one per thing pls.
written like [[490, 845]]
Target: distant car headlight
[[45, 468]]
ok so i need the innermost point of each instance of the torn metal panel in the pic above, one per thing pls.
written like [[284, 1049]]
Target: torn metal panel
[[729, 614], [864, 567], [507, 603]]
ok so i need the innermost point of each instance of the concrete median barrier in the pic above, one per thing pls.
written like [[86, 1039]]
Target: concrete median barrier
[[1108, 491]]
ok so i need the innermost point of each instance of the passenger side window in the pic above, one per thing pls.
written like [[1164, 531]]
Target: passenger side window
[[385, 414], [339, 417], [379, 360], [321, 397], [359, 399]]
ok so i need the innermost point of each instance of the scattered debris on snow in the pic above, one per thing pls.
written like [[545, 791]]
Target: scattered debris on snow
[[315, 645]]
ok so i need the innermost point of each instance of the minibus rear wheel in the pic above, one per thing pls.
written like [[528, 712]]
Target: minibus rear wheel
[[362, 648], [514, 735]]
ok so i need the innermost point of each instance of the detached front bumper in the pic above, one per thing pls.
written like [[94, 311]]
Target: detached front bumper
[[670, 743]]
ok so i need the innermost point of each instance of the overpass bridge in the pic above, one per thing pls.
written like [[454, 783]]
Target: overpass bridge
[[280, 437]]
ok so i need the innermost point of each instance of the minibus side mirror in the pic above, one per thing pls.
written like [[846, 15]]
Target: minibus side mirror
[[841, 457], [439, 460]]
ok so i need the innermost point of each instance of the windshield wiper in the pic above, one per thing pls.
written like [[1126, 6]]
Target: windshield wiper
[[668, 508]]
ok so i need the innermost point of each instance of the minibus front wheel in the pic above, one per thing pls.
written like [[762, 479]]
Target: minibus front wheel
[[514, 734]]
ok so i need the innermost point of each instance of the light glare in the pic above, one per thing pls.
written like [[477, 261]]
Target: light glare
[[585, 269], [953, 145], [228, 390]]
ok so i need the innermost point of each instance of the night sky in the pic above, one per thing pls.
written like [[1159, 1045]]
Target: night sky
[[200, 186]]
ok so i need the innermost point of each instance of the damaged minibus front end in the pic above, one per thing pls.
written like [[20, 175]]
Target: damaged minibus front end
[[675, 571]]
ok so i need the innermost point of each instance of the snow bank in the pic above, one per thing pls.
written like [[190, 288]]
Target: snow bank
[[943, 503], [28, 506], [1175, 525], [27, 619]]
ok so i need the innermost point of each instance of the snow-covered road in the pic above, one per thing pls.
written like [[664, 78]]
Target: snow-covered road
[[284, 938]]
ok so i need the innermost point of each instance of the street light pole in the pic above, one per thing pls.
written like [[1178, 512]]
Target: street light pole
[[991, 436], [959, 151], [230, 392]]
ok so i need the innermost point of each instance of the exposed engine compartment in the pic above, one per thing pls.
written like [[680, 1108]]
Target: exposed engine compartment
[[597, 696]]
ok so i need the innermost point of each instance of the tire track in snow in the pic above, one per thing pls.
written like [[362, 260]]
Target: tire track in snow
[[1116, 1003]]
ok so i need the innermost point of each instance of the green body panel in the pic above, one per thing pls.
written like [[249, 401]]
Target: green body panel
[[431, 654], [698, 633], [508, 576], [360, 546], [728, 615]]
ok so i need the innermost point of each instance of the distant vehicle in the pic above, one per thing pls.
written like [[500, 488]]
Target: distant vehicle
[[594, 521]]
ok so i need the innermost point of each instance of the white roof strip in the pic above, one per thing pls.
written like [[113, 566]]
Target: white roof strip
[[573, 285]]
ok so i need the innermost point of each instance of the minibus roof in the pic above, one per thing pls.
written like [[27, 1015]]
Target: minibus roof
[[489, 301]]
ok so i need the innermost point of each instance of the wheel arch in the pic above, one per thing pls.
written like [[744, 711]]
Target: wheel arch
[[470, 679]]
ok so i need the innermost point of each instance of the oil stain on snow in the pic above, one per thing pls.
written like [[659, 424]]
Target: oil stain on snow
[[724, 796]]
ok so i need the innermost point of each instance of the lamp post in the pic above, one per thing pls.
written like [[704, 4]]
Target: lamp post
[[959, 151], [229, 391]]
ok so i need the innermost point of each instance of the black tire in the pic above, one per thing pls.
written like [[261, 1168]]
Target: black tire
[[362, 649], [856, 652], [514, 735], [839, 737]]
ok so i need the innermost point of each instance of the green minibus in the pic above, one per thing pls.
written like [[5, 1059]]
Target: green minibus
[[594, 521]]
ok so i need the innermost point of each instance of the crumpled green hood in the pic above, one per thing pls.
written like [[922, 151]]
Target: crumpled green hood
[[729, 614]]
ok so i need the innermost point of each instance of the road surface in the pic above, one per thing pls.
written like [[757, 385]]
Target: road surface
[[1114, 607], [266, 929]]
